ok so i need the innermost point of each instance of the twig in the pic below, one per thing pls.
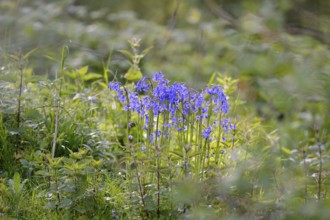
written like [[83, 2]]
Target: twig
[[18, 116], [65, 51]]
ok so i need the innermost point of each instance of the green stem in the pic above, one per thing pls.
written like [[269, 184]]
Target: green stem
[[319, 181], [18, 117], [158, 167], [218, 140]]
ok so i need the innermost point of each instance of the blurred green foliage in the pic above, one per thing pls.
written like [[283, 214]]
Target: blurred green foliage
[[278, 51]]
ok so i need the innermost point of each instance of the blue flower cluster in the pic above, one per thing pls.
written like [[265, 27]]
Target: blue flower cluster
[[175, 100]]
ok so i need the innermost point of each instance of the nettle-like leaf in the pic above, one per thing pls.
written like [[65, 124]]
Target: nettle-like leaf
[[16, 184], [97, 164], [82, 71], [55, 162], [127, 53], [134, 73], [146, 51], [91, 76]]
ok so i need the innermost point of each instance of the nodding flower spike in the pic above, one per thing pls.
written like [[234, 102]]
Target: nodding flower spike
[[207, 132], [158, 77], [142, 85], [219, 99], [175, 99], [114, 86]]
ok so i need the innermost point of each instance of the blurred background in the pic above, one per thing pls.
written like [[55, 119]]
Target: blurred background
[[277, 49]]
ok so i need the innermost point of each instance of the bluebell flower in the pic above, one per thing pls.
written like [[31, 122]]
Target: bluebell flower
[[131, 124], [207, 132], [218, 98], [151, 138], [134, 104], [146, 118], [116, 86], [205, 111], [158, 77], [176, 101], [199, 100], [130, 137], [142, 85], [225, 125]]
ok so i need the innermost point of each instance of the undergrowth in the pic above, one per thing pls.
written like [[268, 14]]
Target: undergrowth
[[100, 146]]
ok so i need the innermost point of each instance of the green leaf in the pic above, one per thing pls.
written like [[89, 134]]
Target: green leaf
[[43, 173], [127, 53], [212, 78], [17, 184], [65, 203], [179, 154], [51, 58], [97, 163], [29, 53], [102, 84], [32, 114], [194, 154], [82, 71], [145, 51], [64, 54], [133, 74], [91, 76], [286, 150], [73, 75]]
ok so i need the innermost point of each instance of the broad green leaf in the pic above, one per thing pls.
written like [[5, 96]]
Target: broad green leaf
[[65, 203], [133, 74], [32, 114], [97, 163], [286, 150], [82, 71], [145, 51], [91, 76], [17, 184], [102, 85], [127, 53], [72, 75]]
